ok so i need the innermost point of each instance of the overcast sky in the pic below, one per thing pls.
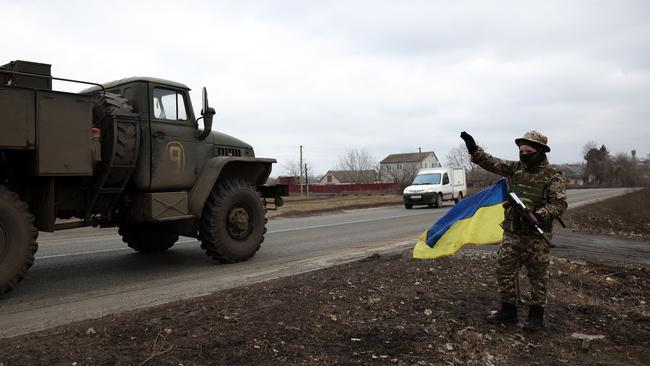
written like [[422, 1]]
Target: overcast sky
[[384, 76]]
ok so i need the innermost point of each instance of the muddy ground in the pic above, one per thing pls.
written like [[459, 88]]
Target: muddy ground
[[626, 216], [385, 310]]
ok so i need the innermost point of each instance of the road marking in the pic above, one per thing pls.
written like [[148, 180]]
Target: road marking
[[347, 223], [97, 251], [79, 253], [269, 232]]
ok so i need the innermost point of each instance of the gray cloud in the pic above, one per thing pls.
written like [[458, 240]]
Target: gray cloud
[[381, 75]]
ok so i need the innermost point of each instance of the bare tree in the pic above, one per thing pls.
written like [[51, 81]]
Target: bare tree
[[359, 162], [292, 168], [625, 171], [403, 176], [459, 157], [590, 145]]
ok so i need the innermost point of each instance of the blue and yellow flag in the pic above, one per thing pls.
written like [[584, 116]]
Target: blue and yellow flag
[[474, 220]]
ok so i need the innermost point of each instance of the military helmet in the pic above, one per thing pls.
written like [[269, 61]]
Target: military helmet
[[534, 139]]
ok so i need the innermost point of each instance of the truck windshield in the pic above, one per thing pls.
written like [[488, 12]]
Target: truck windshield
[[433, 178]]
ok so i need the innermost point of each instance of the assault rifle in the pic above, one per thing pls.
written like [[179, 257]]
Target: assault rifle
[[528, 215]]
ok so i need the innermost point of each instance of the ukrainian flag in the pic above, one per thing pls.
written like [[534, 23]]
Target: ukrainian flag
[[474, 220]]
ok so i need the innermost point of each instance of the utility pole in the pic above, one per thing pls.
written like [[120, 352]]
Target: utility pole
[[301, 170], [307, 179]]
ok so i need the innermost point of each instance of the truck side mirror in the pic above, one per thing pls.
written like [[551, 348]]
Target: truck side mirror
[[207, 114]]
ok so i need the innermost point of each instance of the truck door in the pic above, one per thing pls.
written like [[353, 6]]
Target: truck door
[[173, 140]]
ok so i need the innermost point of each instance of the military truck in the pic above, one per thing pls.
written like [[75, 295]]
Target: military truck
[[129, 153]]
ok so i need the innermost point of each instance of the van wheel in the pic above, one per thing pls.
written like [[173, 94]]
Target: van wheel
[[438, 200], [460, 197], [233, 222], [17, 240], [408, 206]]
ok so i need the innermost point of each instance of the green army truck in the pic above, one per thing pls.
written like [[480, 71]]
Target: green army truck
[[129, 153]]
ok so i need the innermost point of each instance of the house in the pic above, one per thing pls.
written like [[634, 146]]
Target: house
[[349, 176], [573, 173], [397, 168], [288, 179]]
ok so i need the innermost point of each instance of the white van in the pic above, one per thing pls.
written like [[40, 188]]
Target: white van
[[433, 186]]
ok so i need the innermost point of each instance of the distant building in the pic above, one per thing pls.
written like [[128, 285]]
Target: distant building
[[349, 176], [397, 168], [288, 179], [573, 173]]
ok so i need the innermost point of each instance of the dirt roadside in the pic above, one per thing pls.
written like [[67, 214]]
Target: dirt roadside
[[315, 205], [383, 310]]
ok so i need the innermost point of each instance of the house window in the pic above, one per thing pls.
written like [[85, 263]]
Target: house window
[[329, 178]]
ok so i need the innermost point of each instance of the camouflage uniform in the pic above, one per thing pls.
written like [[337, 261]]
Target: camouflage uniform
[[541, 188]]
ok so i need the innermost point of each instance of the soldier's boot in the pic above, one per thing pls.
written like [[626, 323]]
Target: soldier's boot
[[535, 318], [507, 314]]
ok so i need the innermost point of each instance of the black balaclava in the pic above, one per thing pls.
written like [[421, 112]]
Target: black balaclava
[[533, 160]]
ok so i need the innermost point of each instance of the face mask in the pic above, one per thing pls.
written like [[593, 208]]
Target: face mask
[[532, 159]]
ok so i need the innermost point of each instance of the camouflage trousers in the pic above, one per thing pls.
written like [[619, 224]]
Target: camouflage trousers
[[519, 251]]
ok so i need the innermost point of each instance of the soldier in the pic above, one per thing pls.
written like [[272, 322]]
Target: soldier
[[542, 189]]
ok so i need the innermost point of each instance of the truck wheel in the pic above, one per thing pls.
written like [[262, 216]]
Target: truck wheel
[[408, 206], [148, 237], [438, 200], [233, 222], [460, 197], [17, 240]]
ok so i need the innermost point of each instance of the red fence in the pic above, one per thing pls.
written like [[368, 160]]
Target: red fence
[[333, 189]]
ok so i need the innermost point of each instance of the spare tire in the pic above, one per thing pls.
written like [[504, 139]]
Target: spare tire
[[107, 104]]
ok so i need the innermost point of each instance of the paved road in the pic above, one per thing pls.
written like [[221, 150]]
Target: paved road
[[87, 273]]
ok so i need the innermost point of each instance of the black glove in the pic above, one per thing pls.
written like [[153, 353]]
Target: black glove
[[469, 142]]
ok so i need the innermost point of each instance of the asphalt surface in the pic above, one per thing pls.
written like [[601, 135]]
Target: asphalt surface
[[86, 273]]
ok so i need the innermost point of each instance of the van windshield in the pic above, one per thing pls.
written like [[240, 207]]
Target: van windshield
[[433, 178]]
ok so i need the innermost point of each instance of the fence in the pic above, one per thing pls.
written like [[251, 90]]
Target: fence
[[342, 189]]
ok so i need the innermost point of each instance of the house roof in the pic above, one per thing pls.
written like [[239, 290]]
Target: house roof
[[569, 170], [408, 158], [352, 176]]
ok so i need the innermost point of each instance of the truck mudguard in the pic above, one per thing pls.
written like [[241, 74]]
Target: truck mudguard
[[252, 170]]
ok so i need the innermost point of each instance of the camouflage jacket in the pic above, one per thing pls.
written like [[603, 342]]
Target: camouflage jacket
[[554, 196]]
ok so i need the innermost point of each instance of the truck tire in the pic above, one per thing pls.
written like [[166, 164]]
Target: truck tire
[[109, 103], [17, 240], [460, 197], [438, 202], [233, 222], [148, 237]]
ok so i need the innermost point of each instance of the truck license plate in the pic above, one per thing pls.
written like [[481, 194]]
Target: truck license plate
[[416, 197]]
